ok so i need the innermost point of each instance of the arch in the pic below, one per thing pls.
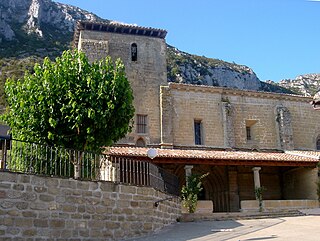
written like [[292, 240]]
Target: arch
[[215, 186], [134, 52], [140, 142]]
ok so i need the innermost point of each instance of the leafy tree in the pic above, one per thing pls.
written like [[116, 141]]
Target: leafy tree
[[71, 103]]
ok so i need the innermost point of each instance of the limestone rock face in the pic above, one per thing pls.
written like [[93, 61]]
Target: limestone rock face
[[308, 84], [191, 69], [37, 15]]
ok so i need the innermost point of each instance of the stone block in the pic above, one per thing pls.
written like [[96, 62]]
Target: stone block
[[108, 202], [29, 214], [40, 189], [29, 232], [95, 233], [76, 216], [29, 196], [51, 182], [83, 185], [108, 186], [134, 204], [24, 222], [54, 190], [5, 185], [93, 186], [38, 206], [103, 209], [57, 223], [112, 225], [13, 194], [84, 233], [18, 187], [14, 213], [3, 194], [46, 198], [128, 189], [81, 208], [38, 181], [43, 223], [8, 177], [68, 208], [7, 204], [96, 224], [68, 183]]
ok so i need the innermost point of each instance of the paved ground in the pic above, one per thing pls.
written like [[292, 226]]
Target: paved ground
[[303, 228]]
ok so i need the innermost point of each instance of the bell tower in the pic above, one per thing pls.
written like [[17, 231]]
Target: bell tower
[[143, 52]]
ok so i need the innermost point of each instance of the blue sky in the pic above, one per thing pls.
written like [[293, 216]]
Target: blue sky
[[278, 39]]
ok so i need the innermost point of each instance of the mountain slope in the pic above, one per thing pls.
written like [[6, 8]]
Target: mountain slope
[[308, 84], [33, 29]]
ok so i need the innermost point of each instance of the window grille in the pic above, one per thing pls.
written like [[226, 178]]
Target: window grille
[[141, 123], [248, 130], [197, 132]]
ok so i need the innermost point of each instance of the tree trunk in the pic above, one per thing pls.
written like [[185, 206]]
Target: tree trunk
[[77, 171]]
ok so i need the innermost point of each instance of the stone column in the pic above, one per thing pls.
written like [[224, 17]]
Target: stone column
[[256, 176], [233, 189], [188, 169]]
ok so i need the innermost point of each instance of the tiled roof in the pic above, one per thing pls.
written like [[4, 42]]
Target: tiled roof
[[117, 27], [216, 155]]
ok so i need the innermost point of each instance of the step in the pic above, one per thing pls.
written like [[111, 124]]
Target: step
[[190, 217]]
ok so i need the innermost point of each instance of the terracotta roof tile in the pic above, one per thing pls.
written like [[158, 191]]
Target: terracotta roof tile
[[216, 155]]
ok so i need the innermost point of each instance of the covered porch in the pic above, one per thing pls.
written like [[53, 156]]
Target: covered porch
[[289, 178]]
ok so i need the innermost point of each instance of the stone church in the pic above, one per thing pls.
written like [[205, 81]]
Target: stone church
[[244, 139]]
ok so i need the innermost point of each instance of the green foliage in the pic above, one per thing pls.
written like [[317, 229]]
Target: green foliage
[[190, 192], [71, 103], [15, 68], [258, 191]]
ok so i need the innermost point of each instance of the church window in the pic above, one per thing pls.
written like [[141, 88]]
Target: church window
[[134, 52], [248, 131], [141, 124], [318, 143], [198, 132]]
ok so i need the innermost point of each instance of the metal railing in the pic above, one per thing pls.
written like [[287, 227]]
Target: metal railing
[[33, 158]]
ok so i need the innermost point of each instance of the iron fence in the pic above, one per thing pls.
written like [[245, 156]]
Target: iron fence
[[39, 159]]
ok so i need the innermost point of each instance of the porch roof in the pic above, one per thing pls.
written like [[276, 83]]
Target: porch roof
[[220, 157]]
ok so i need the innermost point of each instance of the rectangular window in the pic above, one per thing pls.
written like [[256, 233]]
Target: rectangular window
[[141, 123], [197, 132], [248, 130]]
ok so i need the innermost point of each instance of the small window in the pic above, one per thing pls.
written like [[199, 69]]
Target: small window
[[248, 130], [134, 52], [318, 144], [197, 132], [140, 143], [141, 123]]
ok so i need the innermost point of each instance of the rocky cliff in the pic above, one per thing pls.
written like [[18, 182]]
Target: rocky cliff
[[192, 69], [29, 27], [307, 84], [33, 29]]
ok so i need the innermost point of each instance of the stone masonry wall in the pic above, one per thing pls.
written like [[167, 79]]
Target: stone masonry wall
[[225, 128], [46, 208]]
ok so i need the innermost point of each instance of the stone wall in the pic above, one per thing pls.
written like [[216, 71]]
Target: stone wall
[[222, 111], [46, 208], [301, 183]]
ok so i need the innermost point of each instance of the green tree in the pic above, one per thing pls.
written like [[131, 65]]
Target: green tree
[[71, 103]]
